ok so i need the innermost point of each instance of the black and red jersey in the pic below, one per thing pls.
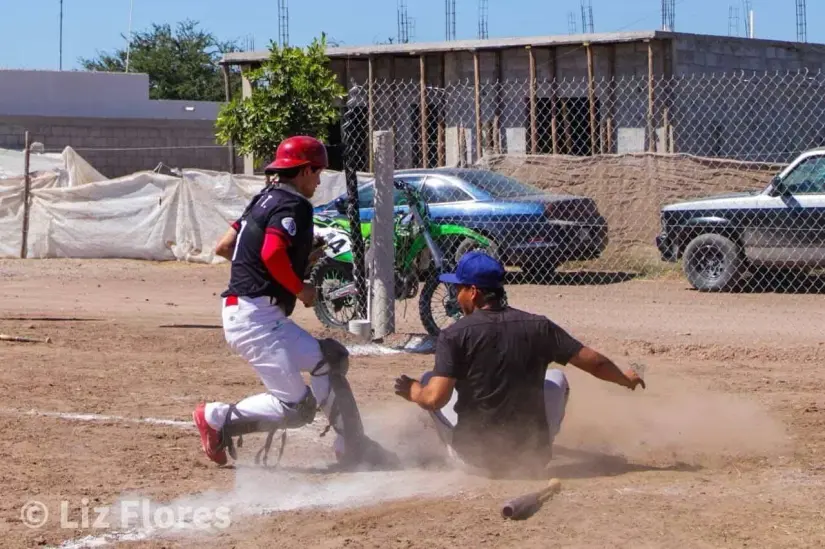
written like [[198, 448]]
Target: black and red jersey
[[273, 246]]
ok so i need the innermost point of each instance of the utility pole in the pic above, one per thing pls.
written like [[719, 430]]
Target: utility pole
[[129, 36], [449, 6], [748, 18], [587, 16], [483, 19], [668, 15], [801, 21], [405, 24], [733, 21], [61, 35], [283, 23]]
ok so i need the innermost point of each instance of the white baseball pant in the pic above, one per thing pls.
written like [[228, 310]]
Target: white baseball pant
[[556, 390], [279, 350]]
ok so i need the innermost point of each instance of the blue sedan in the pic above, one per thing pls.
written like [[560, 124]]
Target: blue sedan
[[533, 229]]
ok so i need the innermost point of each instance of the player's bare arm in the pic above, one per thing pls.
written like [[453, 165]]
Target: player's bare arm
[[432, 396], [226, 245], [601, 367]]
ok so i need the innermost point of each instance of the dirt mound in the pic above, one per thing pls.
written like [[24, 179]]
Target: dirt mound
[[630, 189]]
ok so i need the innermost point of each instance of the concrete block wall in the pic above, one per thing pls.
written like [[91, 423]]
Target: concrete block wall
[[699, 54], [736, 98], [117, 147]]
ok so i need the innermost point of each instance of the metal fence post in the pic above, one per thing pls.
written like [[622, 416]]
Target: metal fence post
[[26, 200], [382, 305], [353, 213]]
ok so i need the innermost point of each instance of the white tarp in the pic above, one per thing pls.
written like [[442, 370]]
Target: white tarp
[[140, 216], [71, 167]]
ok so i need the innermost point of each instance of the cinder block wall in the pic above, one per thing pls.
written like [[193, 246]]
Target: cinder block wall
[[117, 147]]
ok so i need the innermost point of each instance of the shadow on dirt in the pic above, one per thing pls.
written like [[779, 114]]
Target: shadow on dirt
[[49, 319], [593, 464], [571, 278], [193, 326], [765, 281], [578, 464]]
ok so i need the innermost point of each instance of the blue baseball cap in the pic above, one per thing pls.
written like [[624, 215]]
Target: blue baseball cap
[[477, 269]]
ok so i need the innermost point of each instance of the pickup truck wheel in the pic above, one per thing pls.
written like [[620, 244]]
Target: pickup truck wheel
[[713, 263]]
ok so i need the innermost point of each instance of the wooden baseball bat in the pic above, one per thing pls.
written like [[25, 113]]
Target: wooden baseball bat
[[527, 505], [20, 339]]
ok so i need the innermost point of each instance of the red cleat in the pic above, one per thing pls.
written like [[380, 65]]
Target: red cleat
[[210, 440]]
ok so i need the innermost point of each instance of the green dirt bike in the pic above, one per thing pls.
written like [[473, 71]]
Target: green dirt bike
[[423, 249]]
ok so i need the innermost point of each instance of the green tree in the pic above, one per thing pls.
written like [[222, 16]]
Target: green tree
[[181, 65], [293, 92]]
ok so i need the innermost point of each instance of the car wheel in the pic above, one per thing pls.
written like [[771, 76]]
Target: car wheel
[[713, 263]]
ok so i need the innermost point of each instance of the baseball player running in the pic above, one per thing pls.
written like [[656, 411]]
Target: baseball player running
[[507, 407], [270, 247]]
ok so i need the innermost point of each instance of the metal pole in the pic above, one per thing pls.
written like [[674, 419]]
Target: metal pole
[[383, 256], [61, 35], [354, 214], [129, 39], [26, 199]]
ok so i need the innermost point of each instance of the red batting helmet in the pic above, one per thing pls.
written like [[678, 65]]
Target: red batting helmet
[[297, 151]]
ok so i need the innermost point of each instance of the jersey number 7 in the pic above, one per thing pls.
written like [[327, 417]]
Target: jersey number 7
[[238, 239]]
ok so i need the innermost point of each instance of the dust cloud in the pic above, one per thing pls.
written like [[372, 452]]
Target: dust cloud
[[674, 419]]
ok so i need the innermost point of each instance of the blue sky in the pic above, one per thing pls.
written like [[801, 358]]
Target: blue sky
[[30, 38]]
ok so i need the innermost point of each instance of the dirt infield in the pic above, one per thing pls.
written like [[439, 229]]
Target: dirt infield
[[722, 450]]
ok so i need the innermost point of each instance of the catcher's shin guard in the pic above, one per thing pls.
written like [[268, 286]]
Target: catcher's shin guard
[[297, 415], [342, 411]]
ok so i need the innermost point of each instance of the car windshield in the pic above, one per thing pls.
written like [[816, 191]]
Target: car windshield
[[498, 185]]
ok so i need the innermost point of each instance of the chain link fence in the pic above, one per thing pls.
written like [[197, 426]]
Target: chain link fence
[[614, 179]]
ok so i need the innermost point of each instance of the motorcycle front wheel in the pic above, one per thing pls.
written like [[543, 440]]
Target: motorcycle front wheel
[[329, 275], [438, 305]]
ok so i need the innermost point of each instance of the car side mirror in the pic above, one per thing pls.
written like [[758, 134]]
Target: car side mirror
[[341, 205]]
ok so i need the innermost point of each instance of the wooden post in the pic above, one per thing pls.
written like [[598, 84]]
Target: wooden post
[[568, 132], [610, 135], [651, 130], [422, 69], [667, 68], [392, 102], [477, 71], [499, 105], [611, 97], [533, 125], [26, 199], [462, 147], [554, 102], [227, 90], [591, 94], [370, 113]]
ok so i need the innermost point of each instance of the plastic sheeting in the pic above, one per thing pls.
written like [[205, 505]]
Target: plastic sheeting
[[146, 215]]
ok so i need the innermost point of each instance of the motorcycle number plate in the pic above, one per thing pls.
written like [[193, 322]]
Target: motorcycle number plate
[[337, 242]]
